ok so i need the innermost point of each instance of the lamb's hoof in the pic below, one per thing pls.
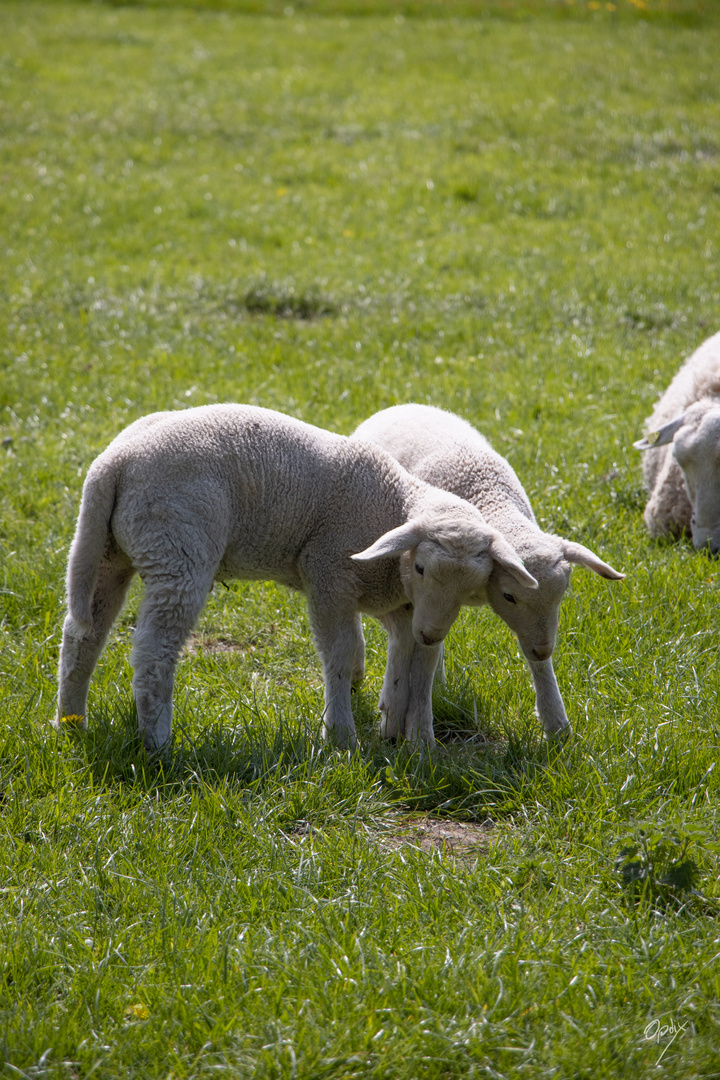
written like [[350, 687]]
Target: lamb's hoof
[[389, 730], [559, 737], [156, 752], [424, 743], [420, 740], [341, 739], [154, 748]]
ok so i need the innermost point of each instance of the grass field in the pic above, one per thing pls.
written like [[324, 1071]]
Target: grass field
[[514, 216]]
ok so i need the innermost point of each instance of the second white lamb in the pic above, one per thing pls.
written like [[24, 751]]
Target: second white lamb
[[446, 451]]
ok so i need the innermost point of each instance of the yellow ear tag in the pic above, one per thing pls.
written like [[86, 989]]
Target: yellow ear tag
[[652, 437]]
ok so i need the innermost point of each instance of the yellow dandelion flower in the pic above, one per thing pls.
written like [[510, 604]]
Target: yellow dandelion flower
[[137, 1012], [71, 718]]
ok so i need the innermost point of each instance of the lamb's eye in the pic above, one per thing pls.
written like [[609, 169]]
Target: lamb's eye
[[510, 598], [420, 569]]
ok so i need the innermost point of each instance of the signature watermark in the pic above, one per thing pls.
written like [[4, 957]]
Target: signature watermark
[[657, 1030]]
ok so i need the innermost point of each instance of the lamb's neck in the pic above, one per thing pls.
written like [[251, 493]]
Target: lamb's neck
[[510, 520]]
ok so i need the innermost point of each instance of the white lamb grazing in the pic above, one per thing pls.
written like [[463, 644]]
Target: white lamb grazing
[[445, 450], [682, 472], [232, 491]]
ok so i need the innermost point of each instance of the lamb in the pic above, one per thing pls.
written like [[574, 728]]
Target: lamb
[[233, 491], [682, 472], [446, 451]]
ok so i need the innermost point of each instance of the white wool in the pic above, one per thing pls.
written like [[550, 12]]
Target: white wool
[[446, 451], [682, 464], [188, 498]]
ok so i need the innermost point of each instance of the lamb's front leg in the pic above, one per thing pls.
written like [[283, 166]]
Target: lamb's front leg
[[419, 717], [340, 643], [396, 684], [358, 671], [549, 704], [440, 672]]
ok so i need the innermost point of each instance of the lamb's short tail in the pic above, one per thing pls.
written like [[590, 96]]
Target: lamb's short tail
[[88, 546]]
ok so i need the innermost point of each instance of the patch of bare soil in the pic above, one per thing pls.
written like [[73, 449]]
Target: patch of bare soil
[[462, 839], [204, 643]]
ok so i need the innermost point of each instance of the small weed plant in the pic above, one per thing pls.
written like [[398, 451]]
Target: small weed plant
[[656, 865]]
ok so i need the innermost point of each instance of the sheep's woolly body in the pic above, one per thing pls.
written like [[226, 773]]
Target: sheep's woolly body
[[251, 492], [446, 451], [669, 508], [232, 491]]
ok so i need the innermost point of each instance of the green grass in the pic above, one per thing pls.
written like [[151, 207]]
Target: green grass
[[684, 12], [516, 217]]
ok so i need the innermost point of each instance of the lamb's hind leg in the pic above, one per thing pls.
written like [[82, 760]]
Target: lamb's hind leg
[[80, 649], [169, 608]]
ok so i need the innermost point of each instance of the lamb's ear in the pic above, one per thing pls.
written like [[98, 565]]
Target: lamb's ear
[[662, 436], [582, 556], [505, 555], [394, 542]]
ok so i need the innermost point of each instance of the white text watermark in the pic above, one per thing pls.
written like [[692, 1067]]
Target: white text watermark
[[658, 1030]]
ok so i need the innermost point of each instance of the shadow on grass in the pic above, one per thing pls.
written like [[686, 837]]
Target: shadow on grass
[[469, 775]]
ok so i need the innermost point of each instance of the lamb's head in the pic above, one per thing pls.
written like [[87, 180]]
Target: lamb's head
[[446, 558], [533, 614], [695, 438]]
